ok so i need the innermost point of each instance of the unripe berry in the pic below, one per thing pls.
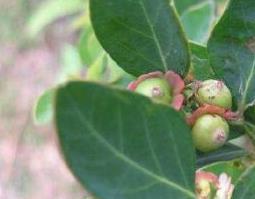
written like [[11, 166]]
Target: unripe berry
[[214, 92], [165, 87], [210, 132], [156, 88]]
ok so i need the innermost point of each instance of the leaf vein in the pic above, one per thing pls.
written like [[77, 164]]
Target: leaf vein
[[155, 38], [178, 158], [154, 156], [133, 29], [124, 158], [134, 51]]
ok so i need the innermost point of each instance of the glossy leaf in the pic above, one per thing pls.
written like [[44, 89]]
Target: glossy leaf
[[250, 114], [43, 109], [200, 68], [227, 152], [235, 131], [244, 188], [104, 69], [197, 21], [141, 35], [114, 73], [249, 125], [232, 52], [182, 5], [198, 50], [121, 145]]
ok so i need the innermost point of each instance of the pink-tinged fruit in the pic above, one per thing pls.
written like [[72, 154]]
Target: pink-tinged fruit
[[210, 132], [164, 88], [214, 92]]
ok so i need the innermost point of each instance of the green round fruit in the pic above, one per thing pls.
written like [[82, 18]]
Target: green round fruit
[[214, 92], [156, 88], [210, 132]]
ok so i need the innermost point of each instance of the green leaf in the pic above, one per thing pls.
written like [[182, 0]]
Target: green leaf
[[182, 5], [121, 145], [51, 10], [104, 69], [141, 35], [244, 188], [197, 21], [250, 122], [250, 130], [227, 152], [250, 114], [231, 168], [96, 70], [114, 73], [89, 47], [198, 50], [43, 109], [70, 62], [200, 68], [232, 52]]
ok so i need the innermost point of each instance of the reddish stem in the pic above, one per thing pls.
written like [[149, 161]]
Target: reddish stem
[[212, 109]]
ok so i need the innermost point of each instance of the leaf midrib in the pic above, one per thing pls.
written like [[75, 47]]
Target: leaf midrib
[[97, 135], [154, 35]]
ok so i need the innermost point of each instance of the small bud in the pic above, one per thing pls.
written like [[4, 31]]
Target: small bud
[[214, 92], [210, 132]]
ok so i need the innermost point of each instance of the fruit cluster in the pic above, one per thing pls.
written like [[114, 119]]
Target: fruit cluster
[[207, 105]]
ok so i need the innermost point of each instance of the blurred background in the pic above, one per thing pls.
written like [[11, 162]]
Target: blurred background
[[44, 43], [34, 36]]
